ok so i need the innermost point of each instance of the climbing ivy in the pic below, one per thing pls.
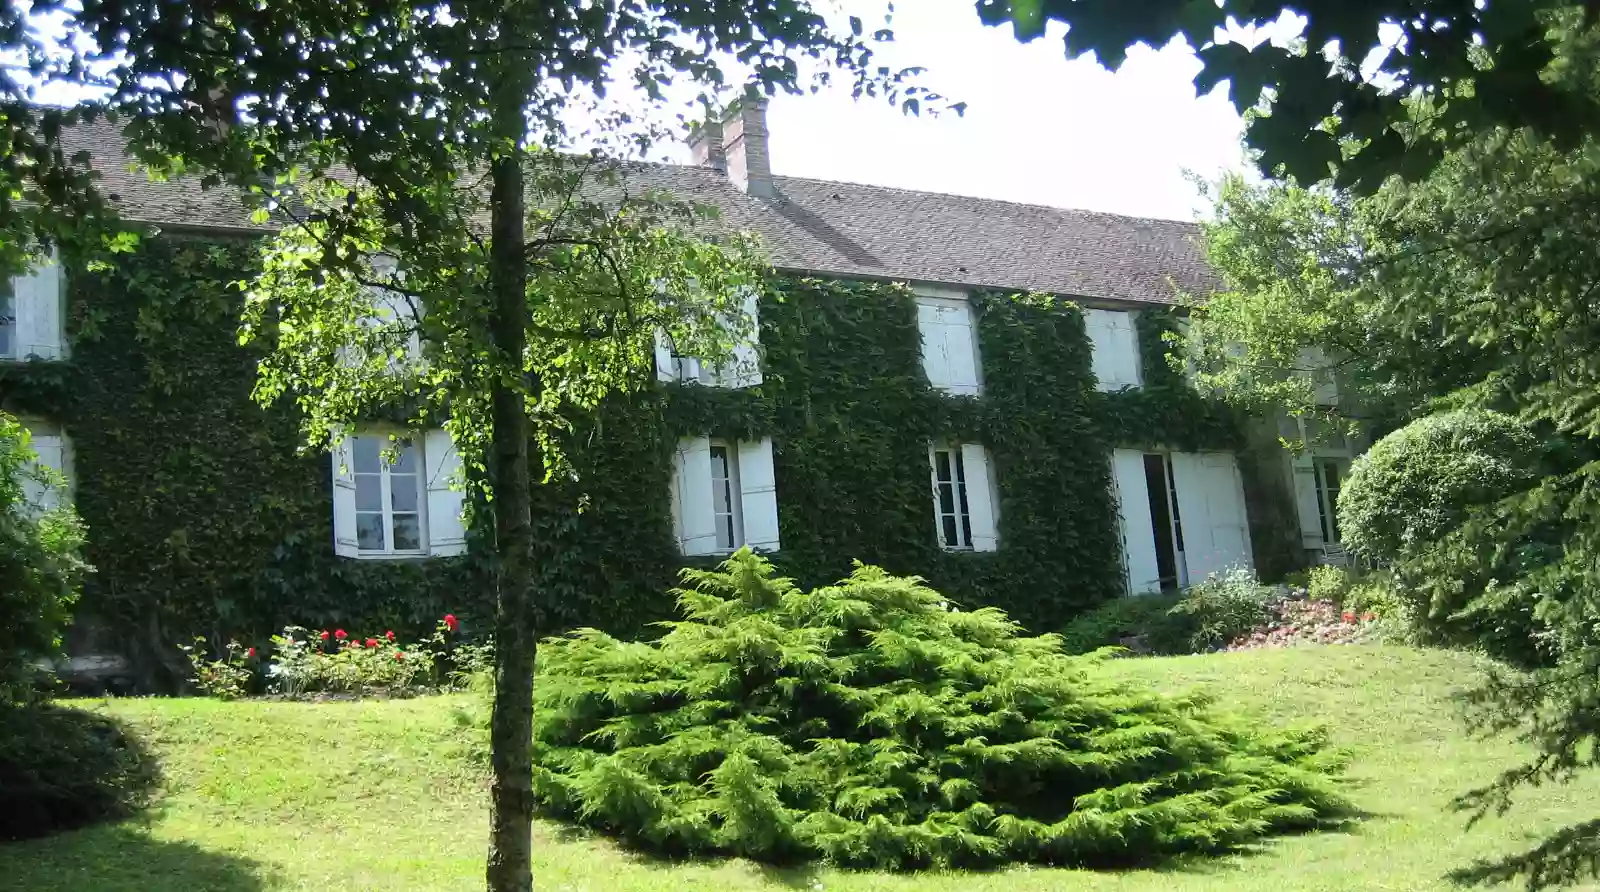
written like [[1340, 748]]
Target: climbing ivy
[[206, 517]]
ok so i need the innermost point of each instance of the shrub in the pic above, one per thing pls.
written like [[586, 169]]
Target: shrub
[[867, 724], [1325, 583], [1418, 483], [228, 677], [40, 567], [64, 768], [1141, 623], [1225, 606]]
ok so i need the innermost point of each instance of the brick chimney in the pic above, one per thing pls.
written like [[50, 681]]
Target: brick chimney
[[705, 146], [744, 146]]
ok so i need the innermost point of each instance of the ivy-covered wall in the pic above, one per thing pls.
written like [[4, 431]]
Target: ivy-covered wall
[[206, 518]]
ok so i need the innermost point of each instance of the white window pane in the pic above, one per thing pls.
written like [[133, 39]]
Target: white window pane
[[407, 532], [369, 492], [367, 452], [369, 531], [402, 492], [406, 461]]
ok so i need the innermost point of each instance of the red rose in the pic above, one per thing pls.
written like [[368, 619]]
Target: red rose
[[372, 642], [340, 634], [250, 653], [389, 635], [324, 635], [450, 621], [1348, 617], [399, 656]]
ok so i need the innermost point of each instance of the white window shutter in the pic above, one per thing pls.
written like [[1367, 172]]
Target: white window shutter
[[1305, 501], [982, 511], [1138, 530], [961, 349], [935, 358], [344, 497], [37, 303], [1116, 348], [666, 365], [1216, 531], [746, 366], [447, 534], [697, 524], [758, 494], [52, 453]]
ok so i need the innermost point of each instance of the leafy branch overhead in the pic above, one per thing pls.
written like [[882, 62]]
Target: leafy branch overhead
[[1345, 94]]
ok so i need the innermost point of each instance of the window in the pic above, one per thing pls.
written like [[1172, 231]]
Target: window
[[1182, 515], [1328, 474], [30, 313], [949, 347], [397, 495], [963, 502], [388, 495], [1116, 348], [741, 369], [724, 496], [53, 453]]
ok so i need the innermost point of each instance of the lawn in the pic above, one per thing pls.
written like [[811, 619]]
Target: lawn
[[384, 796]]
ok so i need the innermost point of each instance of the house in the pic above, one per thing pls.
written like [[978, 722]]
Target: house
[[904, 404]]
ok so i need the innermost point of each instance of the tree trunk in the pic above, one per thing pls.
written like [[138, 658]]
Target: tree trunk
[[515, 636]]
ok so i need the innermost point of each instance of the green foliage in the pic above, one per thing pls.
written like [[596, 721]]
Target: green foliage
[[1141, 623], [1467, 68], [1418, 483], [1225, 606], [40, 567], [870, 724], [1329, 583], [65, 768], [227, 677]]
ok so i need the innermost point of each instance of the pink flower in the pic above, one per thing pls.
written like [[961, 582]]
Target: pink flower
[[450, 622], [324, 635], [341, 634], [250, 653], [372, 642], [389, 635]]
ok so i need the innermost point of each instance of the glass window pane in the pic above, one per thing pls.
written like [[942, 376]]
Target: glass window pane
[[719, 463], [941, 465], [725, 532], [966, 531], [367, 450], [961, 490], [961, 471], [369, 492], [403, 492], [948, 531], [369, 531], [407, 532], [406, 461], [947, 498]]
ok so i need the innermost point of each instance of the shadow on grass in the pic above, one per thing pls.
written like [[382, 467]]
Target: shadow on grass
[[122, 858]]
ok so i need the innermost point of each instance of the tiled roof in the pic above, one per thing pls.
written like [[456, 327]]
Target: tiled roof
[[841, 229]]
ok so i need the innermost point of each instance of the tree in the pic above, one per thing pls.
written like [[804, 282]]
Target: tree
[[431, 109], [1475, 66], [1473, 288]]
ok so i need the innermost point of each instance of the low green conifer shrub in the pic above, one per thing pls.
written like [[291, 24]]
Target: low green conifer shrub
[[870, 724]]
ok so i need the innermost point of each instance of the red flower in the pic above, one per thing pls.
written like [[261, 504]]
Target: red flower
[[1348, 617], [324, 635], [399, 657], [340, 634], [250, 653], [372, 642], [389, 635], [450, 622]]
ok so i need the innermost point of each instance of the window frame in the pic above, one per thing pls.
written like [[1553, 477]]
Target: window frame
[[1328, 496], [734, 516], [941, 300], [9, 321], [960, 514], [387, 440]]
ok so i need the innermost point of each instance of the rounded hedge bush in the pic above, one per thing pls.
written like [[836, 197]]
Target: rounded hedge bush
[[1417, 484], [870, 724], [64, 768]]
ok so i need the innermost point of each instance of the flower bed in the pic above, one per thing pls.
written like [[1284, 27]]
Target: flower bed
[[1296, 619], [333, 662]]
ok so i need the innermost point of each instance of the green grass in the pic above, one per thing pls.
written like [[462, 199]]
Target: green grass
[[289, 796]]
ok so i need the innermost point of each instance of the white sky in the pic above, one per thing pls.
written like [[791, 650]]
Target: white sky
[[1038, 128]]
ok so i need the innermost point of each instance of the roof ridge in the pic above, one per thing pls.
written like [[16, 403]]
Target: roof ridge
[[1161, 221]]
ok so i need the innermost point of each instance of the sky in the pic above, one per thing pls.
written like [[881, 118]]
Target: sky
[[1038, 128]]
